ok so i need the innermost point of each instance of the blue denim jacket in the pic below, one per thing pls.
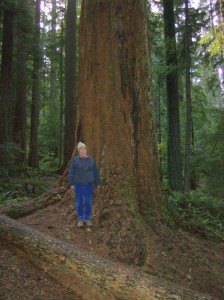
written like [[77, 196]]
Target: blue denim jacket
[[83, 170]]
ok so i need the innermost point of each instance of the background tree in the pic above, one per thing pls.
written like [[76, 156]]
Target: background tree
[[6, 80], [33, 153], [70, 80], [173, 139], [189, 128], [22, 40]]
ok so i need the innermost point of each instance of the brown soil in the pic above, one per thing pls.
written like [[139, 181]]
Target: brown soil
[[176, 256], [20, 279]]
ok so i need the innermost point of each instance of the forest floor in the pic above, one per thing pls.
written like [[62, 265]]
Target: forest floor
[[177, 256], [21, 280]]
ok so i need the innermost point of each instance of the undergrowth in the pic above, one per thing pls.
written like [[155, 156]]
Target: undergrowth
[[199, 212], [19, 182], [16, 189]]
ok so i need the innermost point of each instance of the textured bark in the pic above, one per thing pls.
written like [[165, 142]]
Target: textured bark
[[6, 88], [52, 113], [70, 80], [61, 94], [91, 277], [115, 114], [187, 173], [116, 119], [221, 89], [20, 122], [33, 154], [53, 90], [174, 151]]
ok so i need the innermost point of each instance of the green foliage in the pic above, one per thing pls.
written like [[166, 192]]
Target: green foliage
[[49, 162], [22, 186], [208, 158], [215, 39], [16, 189], [9, 154], [18, 182], [199, 212]]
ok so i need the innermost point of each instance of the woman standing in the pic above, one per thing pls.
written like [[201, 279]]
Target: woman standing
[[82, 175]]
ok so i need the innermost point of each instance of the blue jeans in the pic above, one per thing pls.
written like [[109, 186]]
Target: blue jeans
[[83, 197]]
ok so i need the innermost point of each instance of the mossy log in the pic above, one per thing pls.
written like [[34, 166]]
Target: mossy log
[[90, 276], [50, 197], [23, 209]]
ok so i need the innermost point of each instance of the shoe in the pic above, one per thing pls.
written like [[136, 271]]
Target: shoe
[[89, 223], [80, 224]]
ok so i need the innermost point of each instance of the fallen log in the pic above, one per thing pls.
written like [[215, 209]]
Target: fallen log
[[50, 197], [23, 209], [92, 277]]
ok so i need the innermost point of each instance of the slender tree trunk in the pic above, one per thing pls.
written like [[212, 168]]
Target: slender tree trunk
[[53, 79], [53, 56], [61, 94], [33, 154], [160, 133], [45, 71], [6, 86], [70, 80], [174, 150], [188, 101], [221, 93], [20, 122]]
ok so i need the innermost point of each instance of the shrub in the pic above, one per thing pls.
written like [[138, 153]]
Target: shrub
[[199, 212]]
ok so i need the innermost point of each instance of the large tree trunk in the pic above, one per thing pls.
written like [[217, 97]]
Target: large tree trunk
[[174, 150], [6, 88], [115, 106], [115, 118], [70, 80], [91, 277], [20, 122], [33, 154]]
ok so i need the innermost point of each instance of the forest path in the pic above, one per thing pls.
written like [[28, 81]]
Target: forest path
[[176, 256]]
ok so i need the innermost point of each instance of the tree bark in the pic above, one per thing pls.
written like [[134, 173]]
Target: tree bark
[[174, 150], [89, 275], [53, 92], [20, 121], [53, 77], [115, 114], [187, 173], [116, 119], [6, 87], [160, 157], [33, 154], [70, 80], [61, 94]]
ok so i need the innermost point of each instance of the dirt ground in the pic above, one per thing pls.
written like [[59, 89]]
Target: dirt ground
[[176, 256], [21, 280]]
